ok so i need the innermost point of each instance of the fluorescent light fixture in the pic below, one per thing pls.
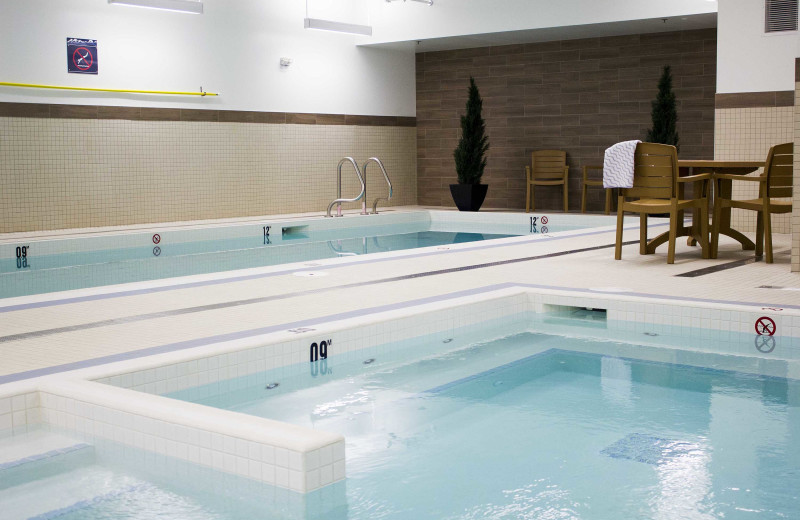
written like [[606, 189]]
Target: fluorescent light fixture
[[181, 6], [430, 2], [329, 25]]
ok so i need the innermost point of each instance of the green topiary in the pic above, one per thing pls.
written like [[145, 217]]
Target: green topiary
[[664, 113], [470, 154]]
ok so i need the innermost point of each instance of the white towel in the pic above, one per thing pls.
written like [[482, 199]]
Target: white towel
[[618, 165]]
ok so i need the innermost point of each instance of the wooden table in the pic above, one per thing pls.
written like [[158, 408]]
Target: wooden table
[[693, 166], [725, 191]]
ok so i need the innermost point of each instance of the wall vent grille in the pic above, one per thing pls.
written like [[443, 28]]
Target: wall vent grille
[[781, 15]]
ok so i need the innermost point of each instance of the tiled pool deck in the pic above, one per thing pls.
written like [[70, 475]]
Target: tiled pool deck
[[93, 326]]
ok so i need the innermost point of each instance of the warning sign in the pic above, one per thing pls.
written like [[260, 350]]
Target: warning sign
[[81, 56], [765, 326]]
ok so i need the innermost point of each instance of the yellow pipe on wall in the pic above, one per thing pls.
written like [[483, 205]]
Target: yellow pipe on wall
[[28, 85]]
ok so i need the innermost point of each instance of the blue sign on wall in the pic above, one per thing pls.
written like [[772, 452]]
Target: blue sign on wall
[[81, 56]]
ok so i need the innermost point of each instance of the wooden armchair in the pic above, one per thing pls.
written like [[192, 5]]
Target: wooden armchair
[[657, 188], [593, 182], [548, 168], [775, 182]]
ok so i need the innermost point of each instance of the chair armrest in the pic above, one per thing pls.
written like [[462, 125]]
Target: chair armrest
[[730, 177], [695, 178], [587, 167]]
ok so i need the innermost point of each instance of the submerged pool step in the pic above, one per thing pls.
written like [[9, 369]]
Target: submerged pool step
[[66, 493], [39, 455]]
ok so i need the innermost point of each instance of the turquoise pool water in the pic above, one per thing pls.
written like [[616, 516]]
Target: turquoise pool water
[[557, 433], [47, 272], [527, 426]]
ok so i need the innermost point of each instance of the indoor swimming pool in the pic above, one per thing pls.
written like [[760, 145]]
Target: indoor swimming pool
[[553, 420], [58, 264]]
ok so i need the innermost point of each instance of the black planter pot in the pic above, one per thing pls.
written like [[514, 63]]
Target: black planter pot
[[468, 197]]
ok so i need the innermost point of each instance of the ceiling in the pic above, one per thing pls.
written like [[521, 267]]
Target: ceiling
[[574, 32]]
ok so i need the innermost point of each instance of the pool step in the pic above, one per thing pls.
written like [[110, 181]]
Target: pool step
[[67, 492], [38, 455]]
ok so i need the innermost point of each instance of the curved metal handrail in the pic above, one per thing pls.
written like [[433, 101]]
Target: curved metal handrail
[[386, 176], [339, 200], [339, 252]]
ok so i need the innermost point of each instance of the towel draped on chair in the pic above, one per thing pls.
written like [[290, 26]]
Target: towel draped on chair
[[618, 165]]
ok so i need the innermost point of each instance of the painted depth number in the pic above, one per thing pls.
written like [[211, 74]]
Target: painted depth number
[[318, 356], [22, 257]]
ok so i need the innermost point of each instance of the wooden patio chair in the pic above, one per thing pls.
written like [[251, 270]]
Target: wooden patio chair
[[658, 189], [775, 182], [593, 182], [548, 168]]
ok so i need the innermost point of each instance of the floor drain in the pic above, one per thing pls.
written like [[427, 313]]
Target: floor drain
[[650, 334], [310, 274], [271, 386], [448, 340], [369, 361]]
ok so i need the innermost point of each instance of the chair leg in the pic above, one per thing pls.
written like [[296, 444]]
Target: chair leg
[[760, 233], [715, 230], [673, 235], [583, 199], [618, 245], [704, 230], [642, 233], [608, 200], [528, 198], [566, 198], [768, 235]]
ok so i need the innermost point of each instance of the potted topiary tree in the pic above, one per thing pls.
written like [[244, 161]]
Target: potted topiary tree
[[470, 155], [664, 113]]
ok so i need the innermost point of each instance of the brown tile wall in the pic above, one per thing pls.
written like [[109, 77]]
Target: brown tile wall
[[175, 114], [576, 95]]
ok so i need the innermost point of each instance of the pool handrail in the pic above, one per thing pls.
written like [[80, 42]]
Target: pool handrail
[[339, 198], [385, 176]]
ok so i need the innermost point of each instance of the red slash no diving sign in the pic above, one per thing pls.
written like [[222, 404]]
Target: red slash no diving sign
[[765, 326]]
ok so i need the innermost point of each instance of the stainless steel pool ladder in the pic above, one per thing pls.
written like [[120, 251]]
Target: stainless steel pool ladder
[[385, 176], [339, 198]]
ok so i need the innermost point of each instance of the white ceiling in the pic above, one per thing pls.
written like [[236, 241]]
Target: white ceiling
[[574, 32]]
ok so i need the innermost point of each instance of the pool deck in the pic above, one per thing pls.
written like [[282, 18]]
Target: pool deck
[[86, 327]]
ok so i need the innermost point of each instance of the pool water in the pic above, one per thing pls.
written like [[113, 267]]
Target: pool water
[[540, 426], [108, 481], [77, 270]]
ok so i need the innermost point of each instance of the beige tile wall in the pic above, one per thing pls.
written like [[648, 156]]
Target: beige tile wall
[[70, 173], [746, 134]]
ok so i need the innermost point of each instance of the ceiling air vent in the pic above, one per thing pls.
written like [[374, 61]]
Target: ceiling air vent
[[781, 15]]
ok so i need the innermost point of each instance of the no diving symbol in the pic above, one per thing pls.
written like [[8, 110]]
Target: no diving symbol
[[765, 326], [156, 238], [765, 344], [82, 58], [545, 220]]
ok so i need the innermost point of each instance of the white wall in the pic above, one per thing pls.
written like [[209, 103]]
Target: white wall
[[233, 48], [747, 59], [402, 21]]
